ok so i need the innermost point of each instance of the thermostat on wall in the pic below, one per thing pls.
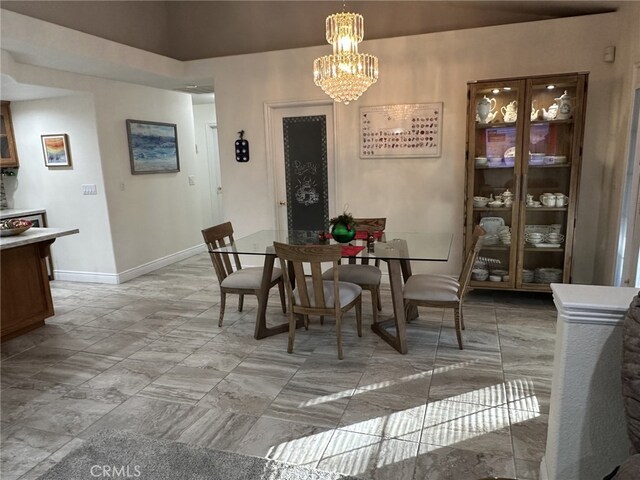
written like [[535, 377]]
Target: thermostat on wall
[[242, 148]]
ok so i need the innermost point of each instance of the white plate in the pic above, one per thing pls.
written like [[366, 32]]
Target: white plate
[[544, 229], [547, 245], [491, 224]]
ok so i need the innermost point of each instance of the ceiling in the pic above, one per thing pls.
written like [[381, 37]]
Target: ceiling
[[190, 30]]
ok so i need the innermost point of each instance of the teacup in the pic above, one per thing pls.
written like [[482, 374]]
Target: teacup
[[535, 204], [481, 161]]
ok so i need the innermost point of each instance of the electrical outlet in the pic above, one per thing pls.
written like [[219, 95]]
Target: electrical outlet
[[122, 186], [89, 189]]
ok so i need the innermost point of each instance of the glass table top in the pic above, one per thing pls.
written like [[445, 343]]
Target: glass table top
[[391, 246]]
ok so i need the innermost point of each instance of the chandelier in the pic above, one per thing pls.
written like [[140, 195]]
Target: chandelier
[[346, 74]]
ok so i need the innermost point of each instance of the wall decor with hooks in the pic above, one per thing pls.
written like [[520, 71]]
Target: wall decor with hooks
[[242, 148]]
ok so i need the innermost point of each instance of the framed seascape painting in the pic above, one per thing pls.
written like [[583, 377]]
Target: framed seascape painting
[[56, 150], [153, 147]]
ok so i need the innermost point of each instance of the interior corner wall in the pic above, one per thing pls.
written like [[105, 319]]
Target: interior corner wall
[[59, 189], [153, 217], [416, 193], [203, 116], [143, 221]]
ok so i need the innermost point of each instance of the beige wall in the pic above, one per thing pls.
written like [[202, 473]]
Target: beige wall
[[423, 193]]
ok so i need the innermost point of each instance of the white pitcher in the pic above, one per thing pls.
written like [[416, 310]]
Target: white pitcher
[[484, 108]]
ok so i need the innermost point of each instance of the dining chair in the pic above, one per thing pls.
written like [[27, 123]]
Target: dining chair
[[431, 290], [314, 295], [363, 274], [238, 280]]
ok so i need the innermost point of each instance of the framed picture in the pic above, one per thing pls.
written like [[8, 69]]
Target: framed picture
[[411, 130], [153, 147], [56, 150]]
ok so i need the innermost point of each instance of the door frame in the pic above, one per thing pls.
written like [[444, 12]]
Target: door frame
[[213, 160], [627, 262], [269, 110]]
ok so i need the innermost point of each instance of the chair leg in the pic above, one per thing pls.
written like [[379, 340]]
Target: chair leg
[[306, 321], [241, 302], [378, 298], [359, 316], [375, 300], [456, 316], [339, 334], [461, 318], [321, 319], [292, 331], [283, 300], [223, 301], [407, 309]]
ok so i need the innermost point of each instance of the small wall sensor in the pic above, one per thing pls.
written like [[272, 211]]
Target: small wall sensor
[[609, 54]]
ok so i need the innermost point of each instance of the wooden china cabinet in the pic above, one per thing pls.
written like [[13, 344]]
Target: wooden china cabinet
[[524, 148]]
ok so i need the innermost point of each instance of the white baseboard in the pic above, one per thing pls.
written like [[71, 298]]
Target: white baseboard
[[116, 278], [544, 475]]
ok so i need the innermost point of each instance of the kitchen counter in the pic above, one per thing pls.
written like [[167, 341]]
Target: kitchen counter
[[25, 295], [20, 212], [34, 235]]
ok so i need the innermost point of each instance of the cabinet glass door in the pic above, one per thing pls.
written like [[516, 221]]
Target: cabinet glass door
[[493, 171], [552, 145]]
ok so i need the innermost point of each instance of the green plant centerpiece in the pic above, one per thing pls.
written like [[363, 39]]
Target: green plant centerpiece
[[343, 227]]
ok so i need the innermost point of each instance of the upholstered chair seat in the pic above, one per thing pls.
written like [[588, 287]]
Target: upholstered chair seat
[[249, 278]]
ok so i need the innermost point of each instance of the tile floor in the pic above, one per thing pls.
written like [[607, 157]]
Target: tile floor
[[147, 356]]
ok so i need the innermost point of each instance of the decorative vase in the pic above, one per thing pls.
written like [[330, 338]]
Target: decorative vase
[[343, 233]]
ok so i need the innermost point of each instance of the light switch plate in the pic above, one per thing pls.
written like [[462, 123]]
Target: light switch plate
[[89, 189], [192, 179]]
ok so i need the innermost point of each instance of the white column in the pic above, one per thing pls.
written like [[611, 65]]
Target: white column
[[587, 434]]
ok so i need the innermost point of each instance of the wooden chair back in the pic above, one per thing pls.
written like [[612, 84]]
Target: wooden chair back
[[472, 254], [296, 256], [371, 224], [216, 237]]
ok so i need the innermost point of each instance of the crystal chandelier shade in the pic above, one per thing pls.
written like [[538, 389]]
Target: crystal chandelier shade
[[346, 74]]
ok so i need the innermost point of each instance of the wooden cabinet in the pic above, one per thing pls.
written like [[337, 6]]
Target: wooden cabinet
[[524, 148], [8, 155]]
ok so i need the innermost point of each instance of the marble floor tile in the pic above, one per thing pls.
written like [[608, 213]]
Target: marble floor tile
[[445, 463], [527, 362], [24, 399], [469, 385], [483, 336], [34, 360], [384, 415], [479, 429], [170, 348], [73, 412], [532, 394], [370, 457], [24, 447], [290, 442], [327, 369], [246, 394], [527, 469], [30, 339], [218, 429], [183, 384], [78, 368], [271, 363], [77, 339], [121, 344], [118, 319], [79, 316], [52, 459], [220, 356], [470, 357], [156, 324], [149, 417], [313, 404], [395, 377], [129, 376], [529, 433]]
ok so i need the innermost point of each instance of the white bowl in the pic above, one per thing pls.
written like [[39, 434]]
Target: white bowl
[[495, 278]]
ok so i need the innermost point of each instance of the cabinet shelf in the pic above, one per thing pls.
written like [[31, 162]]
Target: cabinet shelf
[[556, 140]]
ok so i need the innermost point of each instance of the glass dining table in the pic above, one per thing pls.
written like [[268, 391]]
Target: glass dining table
[[397, 249]]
